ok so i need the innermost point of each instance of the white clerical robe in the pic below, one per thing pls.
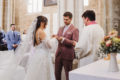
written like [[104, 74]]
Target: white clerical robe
[[89, 43]]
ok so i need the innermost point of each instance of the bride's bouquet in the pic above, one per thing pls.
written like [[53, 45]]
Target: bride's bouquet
[[110, 43]]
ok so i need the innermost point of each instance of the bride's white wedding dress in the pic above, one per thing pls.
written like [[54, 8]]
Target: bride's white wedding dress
[[40, 65], [8, 68], [7, 65]]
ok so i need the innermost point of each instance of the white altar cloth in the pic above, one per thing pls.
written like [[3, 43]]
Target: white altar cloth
[[95, 71]]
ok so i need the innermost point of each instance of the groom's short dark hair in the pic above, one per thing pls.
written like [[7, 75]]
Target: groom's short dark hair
[[69, 14], [90, 14], [12, 25]]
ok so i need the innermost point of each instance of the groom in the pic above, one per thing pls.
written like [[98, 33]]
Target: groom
[[67, 37]]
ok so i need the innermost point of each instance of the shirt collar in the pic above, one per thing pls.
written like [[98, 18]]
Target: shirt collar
[[67, 26], [12, 31], [92, 22]]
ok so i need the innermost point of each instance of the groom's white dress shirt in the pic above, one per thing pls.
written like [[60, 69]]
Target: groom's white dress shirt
[[65, 29]]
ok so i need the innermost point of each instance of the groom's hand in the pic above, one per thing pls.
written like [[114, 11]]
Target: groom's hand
[[74, 43], [60, 38]]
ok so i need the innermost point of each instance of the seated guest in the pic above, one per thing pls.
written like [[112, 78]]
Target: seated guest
[[3, 34], [3, 44], [13, 38], [24, 32]]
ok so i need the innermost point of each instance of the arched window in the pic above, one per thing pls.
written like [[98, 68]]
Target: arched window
[[86, 2], [34, 6]]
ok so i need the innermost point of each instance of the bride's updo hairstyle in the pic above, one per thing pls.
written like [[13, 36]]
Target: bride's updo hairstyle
[[38, 24]]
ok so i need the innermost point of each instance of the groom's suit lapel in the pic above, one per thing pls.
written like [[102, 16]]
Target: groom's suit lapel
[[13, 36], [62, 29]]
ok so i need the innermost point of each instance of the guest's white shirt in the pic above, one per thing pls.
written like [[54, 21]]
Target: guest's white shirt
[[89, 43]]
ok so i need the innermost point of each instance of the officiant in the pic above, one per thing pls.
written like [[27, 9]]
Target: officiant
[[90, 39]]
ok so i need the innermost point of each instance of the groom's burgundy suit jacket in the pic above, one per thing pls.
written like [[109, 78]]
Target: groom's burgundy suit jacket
[[66, 48]]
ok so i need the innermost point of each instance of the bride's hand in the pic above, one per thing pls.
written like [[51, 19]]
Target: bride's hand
[[54, 36]]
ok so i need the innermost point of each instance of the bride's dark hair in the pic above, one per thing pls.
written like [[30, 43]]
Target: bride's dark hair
[[38, 24]]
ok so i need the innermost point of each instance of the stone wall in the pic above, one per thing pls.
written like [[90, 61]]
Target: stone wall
[[23, 19], [107, 12], [99, 6], [116, 15]]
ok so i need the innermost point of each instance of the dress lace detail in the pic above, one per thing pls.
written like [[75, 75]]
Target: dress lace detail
[[40, 64]]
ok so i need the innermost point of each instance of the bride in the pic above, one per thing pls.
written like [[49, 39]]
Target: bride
[[40, 63], [38, 47]]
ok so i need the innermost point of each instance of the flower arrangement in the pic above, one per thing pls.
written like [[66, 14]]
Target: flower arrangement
[[111, 43]]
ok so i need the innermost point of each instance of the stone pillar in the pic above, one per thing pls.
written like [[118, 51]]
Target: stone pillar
[[116, 15], [1, 13], [61, 10], [70, 6], [105, 17], [11, 13], [79, 9], [74, 6], [110, 14]]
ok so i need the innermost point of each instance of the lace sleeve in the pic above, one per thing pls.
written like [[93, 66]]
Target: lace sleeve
[[51, 44]]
